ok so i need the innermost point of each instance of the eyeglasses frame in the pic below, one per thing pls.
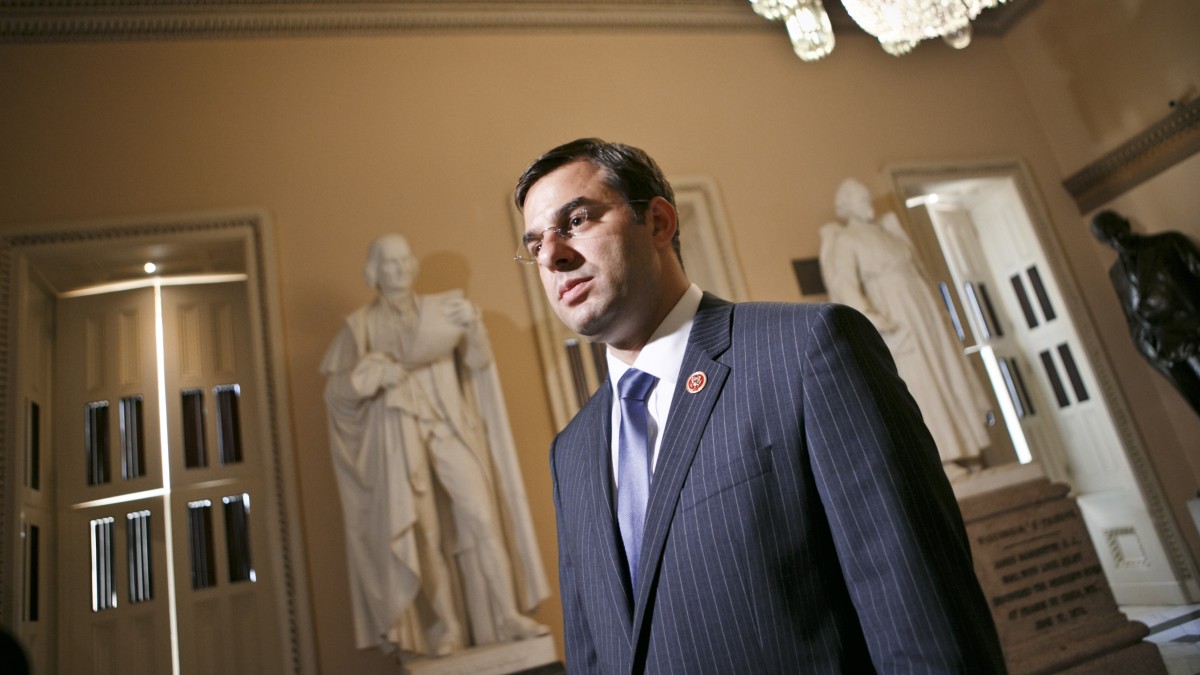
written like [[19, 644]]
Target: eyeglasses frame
[[566, 209]]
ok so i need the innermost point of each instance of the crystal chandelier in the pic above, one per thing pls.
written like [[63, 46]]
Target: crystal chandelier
[[898, 24]]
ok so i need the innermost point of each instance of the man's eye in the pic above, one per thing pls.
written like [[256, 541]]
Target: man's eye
[[577, 219]]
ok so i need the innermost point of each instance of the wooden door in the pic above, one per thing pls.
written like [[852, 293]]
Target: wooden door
[[157, 538]]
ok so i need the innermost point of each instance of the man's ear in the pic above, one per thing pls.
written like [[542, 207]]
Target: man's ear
[[663, 219]]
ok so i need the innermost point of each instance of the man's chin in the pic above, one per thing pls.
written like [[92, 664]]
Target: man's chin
[[578, 322]]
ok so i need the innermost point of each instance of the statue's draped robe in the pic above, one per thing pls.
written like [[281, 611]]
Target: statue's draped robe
[[872, 267], [380, 462]]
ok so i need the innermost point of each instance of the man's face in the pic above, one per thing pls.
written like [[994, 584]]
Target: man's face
[[393, 266], [602, 286]]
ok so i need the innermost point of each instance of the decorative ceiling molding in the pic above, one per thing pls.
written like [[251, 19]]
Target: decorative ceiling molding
[[1158, 148], [121, 20], [82, 21]]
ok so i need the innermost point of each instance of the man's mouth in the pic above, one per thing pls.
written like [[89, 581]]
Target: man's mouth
[[572, 290]]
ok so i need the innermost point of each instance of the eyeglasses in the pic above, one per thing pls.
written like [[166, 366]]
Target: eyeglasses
[[577, 222]]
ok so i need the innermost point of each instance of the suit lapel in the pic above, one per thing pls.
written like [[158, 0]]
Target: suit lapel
[[686, 422]]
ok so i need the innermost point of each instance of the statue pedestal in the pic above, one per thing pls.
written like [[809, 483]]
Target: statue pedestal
[[533, 656], [1051, 603]]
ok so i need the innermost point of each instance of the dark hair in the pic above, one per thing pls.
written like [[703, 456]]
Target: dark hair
[[628, 170]]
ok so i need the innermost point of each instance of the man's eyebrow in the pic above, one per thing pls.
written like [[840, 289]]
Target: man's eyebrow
[[570, 206]]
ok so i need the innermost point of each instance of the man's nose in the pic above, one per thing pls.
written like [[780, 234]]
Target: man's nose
[[556, 252]]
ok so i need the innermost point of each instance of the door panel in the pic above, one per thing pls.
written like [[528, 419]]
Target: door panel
[[211, 405], [107, 434], [226, 602], [114, 590], [106, 448], [36, 522], [976, 287]]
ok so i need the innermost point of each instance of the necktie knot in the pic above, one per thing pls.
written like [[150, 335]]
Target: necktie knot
[[635, 385]]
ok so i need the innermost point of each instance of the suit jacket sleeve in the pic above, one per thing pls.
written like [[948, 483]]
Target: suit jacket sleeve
[[897, 530]]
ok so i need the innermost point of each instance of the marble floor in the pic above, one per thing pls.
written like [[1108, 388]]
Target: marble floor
[[1176, 631]]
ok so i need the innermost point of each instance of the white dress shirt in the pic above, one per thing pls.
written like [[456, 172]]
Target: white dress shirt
[[662, 357]]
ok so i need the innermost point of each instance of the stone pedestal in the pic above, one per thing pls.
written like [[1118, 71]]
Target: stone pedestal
[[1051, 603], [534, 656]]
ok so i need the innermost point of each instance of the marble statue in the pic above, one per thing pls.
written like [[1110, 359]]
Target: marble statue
[[1157, 279], [872, 267], [440, 544]]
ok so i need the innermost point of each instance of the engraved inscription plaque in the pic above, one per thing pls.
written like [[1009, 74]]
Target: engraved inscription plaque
[[1048, 595], [1046, 569]]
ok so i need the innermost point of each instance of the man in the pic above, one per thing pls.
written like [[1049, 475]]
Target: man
[[412, 397], [796, 517]]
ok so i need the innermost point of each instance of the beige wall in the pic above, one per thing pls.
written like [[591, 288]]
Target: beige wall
[[341, 139], [1098, 73]]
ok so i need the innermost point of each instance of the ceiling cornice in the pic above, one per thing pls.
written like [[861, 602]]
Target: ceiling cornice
[[1156, 149], [71, 20], [121, 20]]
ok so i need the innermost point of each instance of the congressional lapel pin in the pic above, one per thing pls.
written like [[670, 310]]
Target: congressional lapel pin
[[696, 381]]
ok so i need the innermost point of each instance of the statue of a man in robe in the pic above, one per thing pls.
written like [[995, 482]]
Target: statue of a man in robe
[[440, 545], [871, 265]]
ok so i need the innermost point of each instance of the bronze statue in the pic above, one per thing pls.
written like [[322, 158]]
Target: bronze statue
[[1157, 279]]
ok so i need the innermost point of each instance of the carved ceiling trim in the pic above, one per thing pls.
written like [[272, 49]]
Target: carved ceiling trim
[[1158, 148], [120, 20], [165, 20]]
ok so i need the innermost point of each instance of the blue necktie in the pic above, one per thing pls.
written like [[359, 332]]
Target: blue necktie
[[633, 463]]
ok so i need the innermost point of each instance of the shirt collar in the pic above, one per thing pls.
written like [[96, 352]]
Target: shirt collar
[[662, 356]]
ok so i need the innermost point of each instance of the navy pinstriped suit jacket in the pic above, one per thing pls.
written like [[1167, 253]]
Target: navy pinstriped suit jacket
[[799, 519]]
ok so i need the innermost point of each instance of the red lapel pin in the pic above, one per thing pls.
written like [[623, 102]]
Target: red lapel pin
[[696, 382]]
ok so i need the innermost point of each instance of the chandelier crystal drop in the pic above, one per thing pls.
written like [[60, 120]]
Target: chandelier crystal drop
[[774, 10], [898, 24], [810, 31], [898, 47], [959, 39]]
